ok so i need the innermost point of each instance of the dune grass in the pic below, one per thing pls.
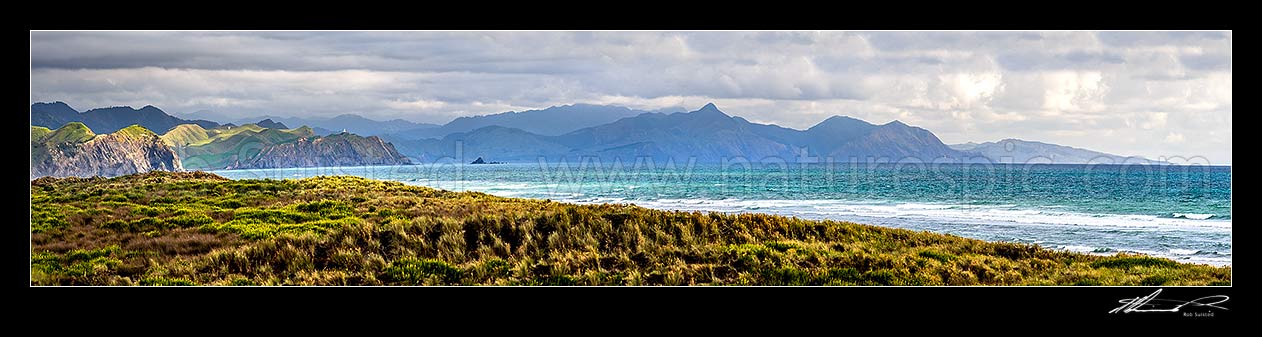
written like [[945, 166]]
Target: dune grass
[[197, 228]]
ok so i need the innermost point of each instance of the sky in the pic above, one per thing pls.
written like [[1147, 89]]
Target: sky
[[1153, 94]]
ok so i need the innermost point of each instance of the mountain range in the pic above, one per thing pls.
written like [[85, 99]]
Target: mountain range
[[709, 135], [704, 135], [107, 120], [568, 132], [552, 121]]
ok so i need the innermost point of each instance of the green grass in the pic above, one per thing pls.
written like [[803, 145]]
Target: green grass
[[197, 228], [38, 133]]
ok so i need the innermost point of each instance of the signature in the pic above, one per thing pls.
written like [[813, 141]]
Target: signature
[[1151, 303]]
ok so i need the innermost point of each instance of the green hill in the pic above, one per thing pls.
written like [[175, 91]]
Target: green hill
[[38, 133], [185, 134], [201, 229], [224, 146], [74, 150], [71, 133], [135, 131], [225, 132]]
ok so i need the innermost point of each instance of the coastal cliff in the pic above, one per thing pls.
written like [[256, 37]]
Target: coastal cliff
[[336, 150], [74, 150]]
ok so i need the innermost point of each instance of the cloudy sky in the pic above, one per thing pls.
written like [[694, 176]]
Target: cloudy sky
[[1155, 94]]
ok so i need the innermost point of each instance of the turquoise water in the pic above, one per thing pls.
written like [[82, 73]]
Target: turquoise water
[[1181, 212]]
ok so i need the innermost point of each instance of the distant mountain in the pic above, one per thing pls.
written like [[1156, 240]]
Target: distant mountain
[[107, 120], [53, 115], [552, 121], [349, 123], [205, 114], [670, 110], [74, 150], [842, 137], [1023, 151], [268, 123], [706, 135]]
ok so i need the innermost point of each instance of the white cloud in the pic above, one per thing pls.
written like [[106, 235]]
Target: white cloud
[[963, 91], [1073, 91], [1174, 137], [1156, 120], [420, 104]]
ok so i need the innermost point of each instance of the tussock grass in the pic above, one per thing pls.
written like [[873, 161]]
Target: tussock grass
[[164, 228]]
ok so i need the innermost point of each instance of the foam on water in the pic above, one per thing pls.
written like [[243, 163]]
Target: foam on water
[[939, 212], [1192, 216]]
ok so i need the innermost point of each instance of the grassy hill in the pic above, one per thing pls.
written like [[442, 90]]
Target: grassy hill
[[184, 135], [134, 131], [74, 150], [43, 139], [222, 146], [71, 133], [38, 133], [197, 228]]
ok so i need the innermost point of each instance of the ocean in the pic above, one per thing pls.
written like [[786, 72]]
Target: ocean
[[1179, 212]]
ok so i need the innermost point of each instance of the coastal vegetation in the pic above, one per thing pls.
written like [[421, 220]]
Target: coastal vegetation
[[196, 228]]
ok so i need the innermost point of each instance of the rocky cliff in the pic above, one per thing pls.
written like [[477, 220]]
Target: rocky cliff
[[330, 151], [74, 150]]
